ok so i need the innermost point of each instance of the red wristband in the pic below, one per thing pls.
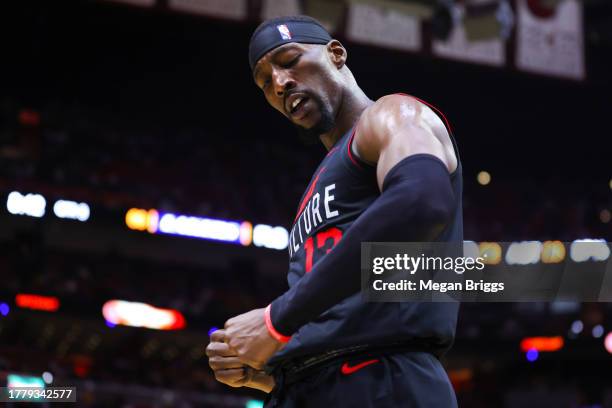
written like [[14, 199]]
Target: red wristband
[[272, 330]]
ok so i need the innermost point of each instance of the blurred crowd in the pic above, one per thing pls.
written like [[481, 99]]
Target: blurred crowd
[[192, 171], [87, 156], [486, 364]]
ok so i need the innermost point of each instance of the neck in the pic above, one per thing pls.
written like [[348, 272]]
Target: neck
[[354, 101]]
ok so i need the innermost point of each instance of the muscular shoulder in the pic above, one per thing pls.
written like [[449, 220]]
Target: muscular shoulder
[[400, 125]]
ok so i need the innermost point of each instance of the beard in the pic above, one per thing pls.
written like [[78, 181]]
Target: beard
[[326, 123]]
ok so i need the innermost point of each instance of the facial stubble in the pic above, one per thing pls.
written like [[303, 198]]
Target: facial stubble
[[326, 123]]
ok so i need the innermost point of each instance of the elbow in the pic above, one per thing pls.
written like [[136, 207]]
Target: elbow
[[440, 210], [434, 213]]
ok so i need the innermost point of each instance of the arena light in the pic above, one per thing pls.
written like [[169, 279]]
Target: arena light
[[524, 253], [4, 309], [461, 378], [532, 355], [583, 250], [470, 249], [254, 404], [71, 210], [235, 232], [142, 220], [491, 252], [542, 343], [484, 178], [270, 237], [608, 342], [17, 380], [37, 302], [553, 252], [577, 327], [135, 314], [47, 377], [597, 331], [199, 227], [246, 233], [32, 205]]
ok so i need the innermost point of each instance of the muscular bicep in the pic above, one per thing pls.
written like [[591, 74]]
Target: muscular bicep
[[399, 126]]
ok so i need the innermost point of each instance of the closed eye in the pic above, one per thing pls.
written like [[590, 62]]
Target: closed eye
[[292, 62]]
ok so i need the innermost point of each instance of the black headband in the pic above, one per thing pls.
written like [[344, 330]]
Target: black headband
[[284, 32]]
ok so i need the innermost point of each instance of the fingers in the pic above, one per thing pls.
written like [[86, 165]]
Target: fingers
[[224, 363], [222, 353], [220, 349], [218, 335], [234, 377]]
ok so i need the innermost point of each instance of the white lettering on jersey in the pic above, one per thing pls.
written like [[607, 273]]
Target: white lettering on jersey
[[328, 198], [311, 218]]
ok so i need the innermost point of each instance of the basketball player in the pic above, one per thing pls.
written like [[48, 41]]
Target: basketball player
[[392, 173]]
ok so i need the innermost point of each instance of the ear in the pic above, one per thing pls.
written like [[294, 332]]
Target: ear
[[337, 53]]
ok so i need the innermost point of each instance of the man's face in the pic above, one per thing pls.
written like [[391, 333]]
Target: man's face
[[299, 81]]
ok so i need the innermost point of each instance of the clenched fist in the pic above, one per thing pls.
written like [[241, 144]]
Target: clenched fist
[[230, 370], [248, 335]]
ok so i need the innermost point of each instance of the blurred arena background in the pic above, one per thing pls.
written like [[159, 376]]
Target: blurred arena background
[[146, 186]]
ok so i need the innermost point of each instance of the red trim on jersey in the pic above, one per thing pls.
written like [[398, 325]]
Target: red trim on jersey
[[333, 149], [277, 336], [349, 150], [308, 194], [450, 129]]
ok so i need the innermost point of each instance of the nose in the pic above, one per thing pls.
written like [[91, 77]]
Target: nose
[[282, 82]]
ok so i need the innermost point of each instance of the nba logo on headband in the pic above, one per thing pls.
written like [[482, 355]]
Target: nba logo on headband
[[284, 31]]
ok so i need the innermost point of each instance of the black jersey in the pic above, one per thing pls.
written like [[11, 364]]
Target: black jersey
[[343, 187]]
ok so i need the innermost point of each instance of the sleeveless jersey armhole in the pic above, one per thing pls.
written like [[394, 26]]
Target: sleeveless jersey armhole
[[448, 127], [354, 162]]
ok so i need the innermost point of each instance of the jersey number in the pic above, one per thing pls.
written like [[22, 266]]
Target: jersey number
[[330, 237]]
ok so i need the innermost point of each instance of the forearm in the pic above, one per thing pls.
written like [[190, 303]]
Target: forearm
[[416, 204]]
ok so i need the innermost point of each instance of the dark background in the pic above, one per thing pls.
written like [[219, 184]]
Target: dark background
[[123, 107]]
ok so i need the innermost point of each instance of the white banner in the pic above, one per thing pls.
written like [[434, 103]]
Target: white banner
[[374, 25], [229, 9], [551, 44], [277, 8], [457, 47]]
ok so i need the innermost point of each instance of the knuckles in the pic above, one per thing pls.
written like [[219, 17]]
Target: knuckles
[[214, 363], [213, 349]]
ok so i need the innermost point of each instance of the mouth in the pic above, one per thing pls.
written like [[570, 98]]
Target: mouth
[[295, 105]]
